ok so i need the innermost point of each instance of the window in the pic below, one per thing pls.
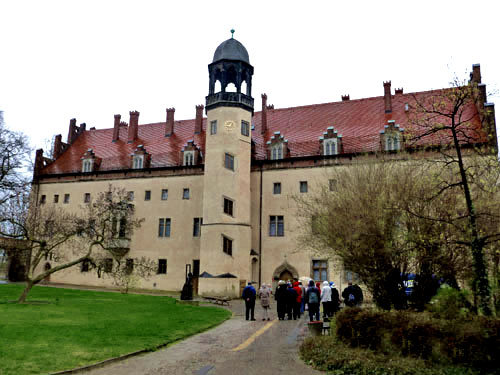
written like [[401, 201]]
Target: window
[[332, 185], [164, 194], [277, 152], [138, 161], [86, 198], [162, 266], [66, 198], [229, 161], [87, 165], [188, 157], [213, 127], [330, 147], [277, 188], [164, 227], [245, 128], [130, 195], [129, 266], [228, 206], [43, 199], [227, 245], [392, 142], [56, 198], [147, 195], [197, 223], [108, 265], [85, 266], [122, 232], [185, 193], [303, 186], [276, 226], [320, 270], [351, 276]]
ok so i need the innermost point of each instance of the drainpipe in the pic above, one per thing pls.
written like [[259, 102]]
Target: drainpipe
[[260, 229]]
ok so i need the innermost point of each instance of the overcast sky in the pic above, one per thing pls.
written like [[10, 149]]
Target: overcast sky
[[90, 59]]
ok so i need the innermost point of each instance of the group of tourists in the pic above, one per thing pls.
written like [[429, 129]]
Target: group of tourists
[[292, 298]]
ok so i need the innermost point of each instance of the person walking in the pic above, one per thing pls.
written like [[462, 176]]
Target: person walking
[[303, 303], [265, 300], [335, 306], [326, 299], [312, 299], [248, 295], [298, 300], [280, 297], [352, 295], [291, 297]]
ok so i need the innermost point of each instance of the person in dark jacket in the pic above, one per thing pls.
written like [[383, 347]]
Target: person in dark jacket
[[312, 300], [335, 299], [291, 297], [280, 297], [352, 295], [248, 295]]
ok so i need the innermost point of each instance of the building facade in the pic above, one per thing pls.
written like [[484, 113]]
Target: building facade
[[218, 192]]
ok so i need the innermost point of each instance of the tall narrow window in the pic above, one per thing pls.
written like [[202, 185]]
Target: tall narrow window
[[122, 231], [129, 266], [276, 226], [87, 165], [303, 186], [330, 147], [197, 222], [130, 195], [164, 227], [66, 198], [227, 245], [277, 188], [229, 161], [138, 161], [213, 127], [147, 195], [164, 194], [188, 157], [108, 265], [85, 266], [162, 266], [43, 199], [228, 206], [56, 198], [185, 193], [277, 152], [245, 128], [86, 198]]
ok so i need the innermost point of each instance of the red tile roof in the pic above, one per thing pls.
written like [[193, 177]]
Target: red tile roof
[[358, 121]]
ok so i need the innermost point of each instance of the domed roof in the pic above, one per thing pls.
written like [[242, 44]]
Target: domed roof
[[231, 49]]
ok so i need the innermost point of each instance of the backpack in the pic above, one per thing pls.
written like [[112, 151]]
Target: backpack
[[313, 297], [351, 298]]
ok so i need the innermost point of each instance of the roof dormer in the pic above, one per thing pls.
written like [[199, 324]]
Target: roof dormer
[[330, 142], [392, 137], [191, 154], [90, 162], [277, 147], [140, 159]]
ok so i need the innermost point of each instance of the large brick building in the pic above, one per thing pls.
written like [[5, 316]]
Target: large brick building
[[217, 192]]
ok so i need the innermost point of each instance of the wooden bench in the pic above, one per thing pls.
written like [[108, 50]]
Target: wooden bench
[[218, 300]]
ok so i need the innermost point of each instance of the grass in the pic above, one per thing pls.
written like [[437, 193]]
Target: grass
[[67, 328]]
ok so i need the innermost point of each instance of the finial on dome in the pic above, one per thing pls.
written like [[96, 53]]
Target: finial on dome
[[232, 33]]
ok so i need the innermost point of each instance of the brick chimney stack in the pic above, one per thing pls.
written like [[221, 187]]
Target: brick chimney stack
[[57, 149], [133, 129], [263, 127], [346, 98], [72, 131], [387, 97], [116, 128], [198, 124], [475, 75], [169, 129]]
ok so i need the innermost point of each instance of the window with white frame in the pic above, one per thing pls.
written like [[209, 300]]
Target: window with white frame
[[277, 151], [138, 161], [213, 127], [87, 165], [392, 142], [188, 157], [330, 147]]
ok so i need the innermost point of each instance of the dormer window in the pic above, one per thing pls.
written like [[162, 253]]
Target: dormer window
[[392, 142], [140, 158], [277, 152], [87, 165], [330, 142], [330, 146], [277, 147], [391, 138], [188, 157], [90, 162], [138, 161]]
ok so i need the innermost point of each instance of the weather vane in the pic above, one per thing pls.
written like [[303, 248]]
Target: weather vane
[[232, 33]]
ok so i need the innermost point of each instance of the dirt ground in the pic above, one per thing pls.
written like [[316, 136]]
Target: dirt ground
[[226, 349]]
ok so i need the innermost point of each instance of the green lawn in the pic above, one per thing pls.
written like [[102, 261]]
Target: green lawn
[[66, 328]]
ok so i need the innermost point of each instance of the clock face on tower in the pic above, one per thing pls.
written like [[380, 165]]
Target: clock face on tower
[[229, 125]]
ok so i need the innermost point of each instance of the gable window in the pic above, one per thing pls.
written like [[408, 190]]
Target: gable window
[[277, 152], [43, 199], [138, 161], [108, 265], [188, 157], [229, 161], [66, 198], [86, 198], [197, 223], [164, 227], [185, 193], [303, 186], [164, 194], [227, 245], [276, 226], [162, 266], [147, 195], [213, 127], [56, 198], [330, 147], [228, 206], [277, 188], [87, 165], [245, 128], [320, 270]]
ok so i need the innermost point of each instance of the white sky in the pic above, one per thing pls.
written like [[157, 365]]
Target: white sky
[[91, 59]]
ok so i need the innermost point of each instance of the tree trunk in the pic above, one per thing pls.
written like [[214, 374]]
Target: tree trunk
[[29, 285]]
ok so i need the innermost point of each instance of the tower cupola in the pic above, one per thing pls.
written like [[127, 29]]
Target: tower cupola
[[230, 75]]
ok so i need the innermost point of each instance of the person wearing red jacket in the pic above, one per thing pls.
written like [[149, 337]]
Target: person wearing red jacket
[[298, 300]]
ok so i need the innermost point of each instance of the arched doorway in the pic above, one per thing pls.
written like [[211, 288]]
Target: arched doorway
[[284, 272]]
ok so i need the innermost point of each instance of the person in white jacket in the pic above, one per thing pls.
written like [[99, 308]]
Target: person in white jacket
[[326, 299]]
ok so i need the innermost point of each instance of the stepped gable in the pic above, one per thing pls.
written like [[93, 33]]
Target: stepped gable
[[358, 121]]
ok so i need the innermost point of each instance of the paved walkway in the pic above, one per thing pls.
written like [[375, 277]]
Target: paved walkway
[[235, 347]]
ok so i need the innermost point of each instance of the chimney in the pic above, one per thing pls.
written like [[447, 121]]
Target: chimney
[[72, 131], [38, 162], [475, 75], [133, 128], [482, 93], [399, 91], [169, 129], [57, 149], [263, 126], [387, 97], [198, 123], [345, 98], [116, 128], [83, 126]]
